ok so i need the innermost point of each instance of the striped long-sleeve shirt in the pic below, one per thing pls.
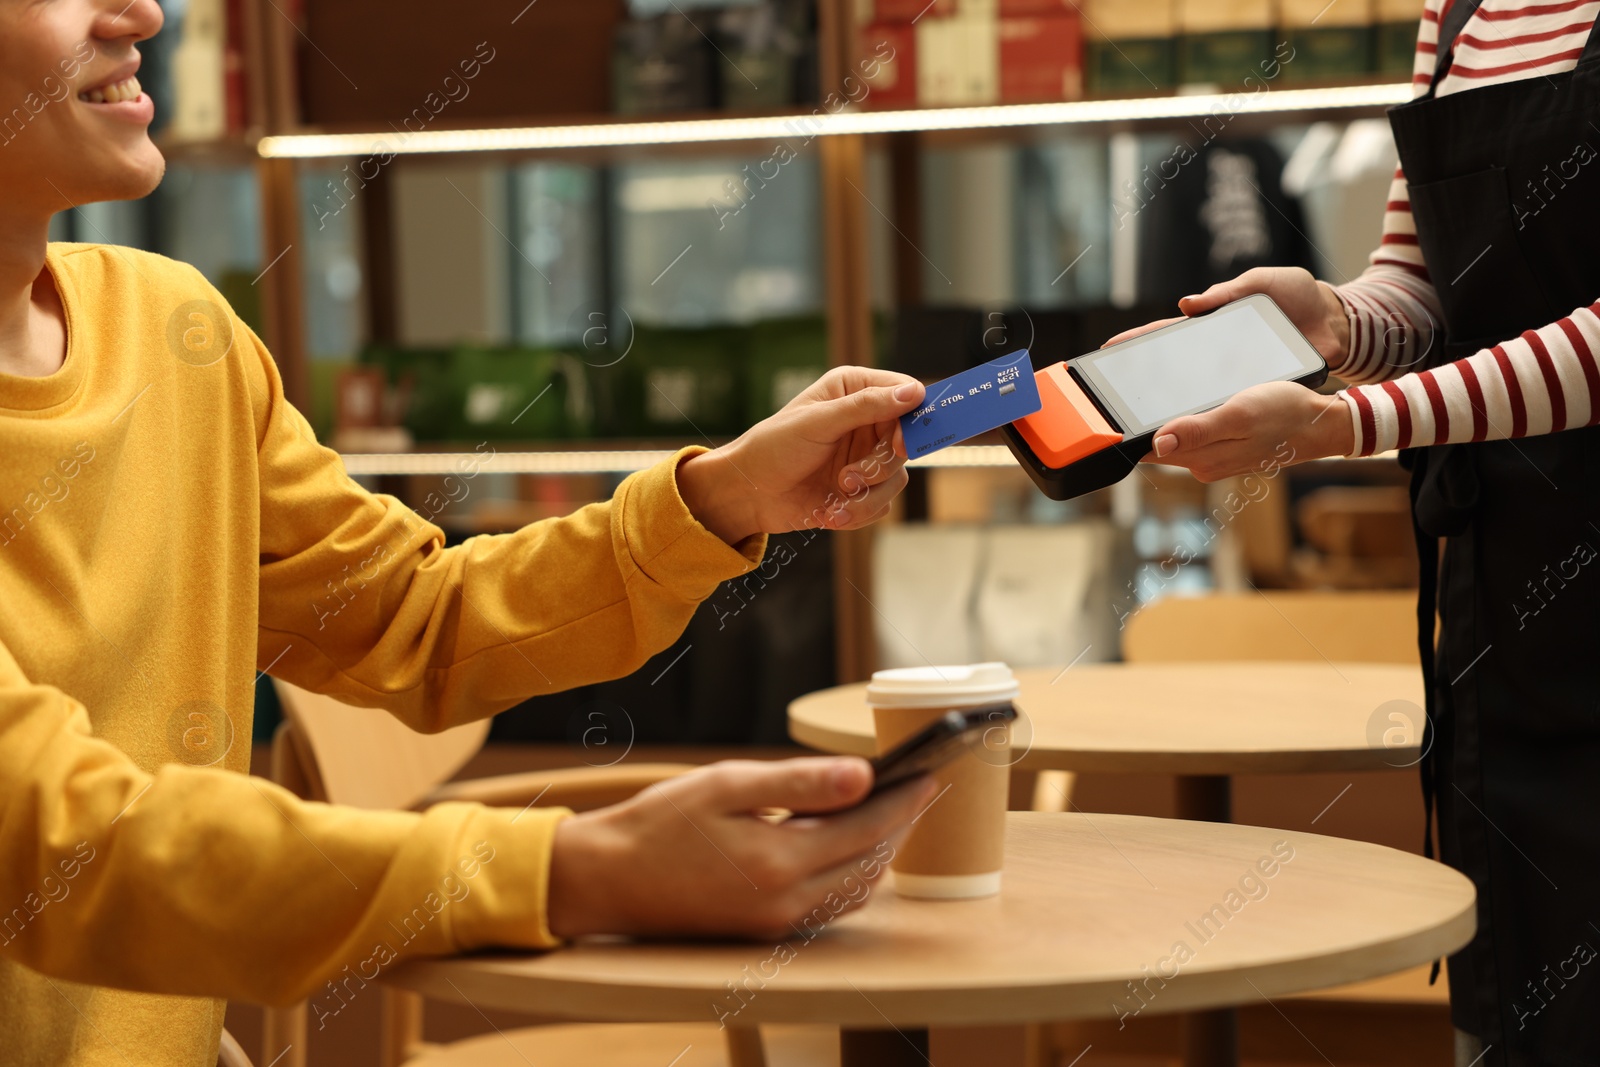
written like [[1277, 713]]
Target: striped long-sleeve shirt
[[1544, 381]]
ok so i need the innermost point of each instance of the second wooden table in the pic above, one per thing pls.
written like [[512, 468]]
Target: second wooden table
[[1199, 721]]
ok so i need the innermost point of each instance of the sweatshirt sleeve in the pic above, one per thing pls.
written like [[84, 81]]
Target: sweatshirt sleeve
[[360, 600], [207, 882], [202, 881]]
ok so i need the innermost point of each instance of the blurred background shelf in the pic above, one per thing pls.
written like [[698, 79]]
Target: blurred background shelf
[[600, 230]]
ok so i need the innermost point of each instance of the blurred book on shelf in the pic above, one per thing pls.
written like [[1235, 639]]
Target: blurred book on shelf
[[1395, 26], [970, 52], [196, 73], [662, 64], [1142, 46], [235, 77], [756, 55], [1329, 41], [200, 68], [1224, 42], [1132, 45]]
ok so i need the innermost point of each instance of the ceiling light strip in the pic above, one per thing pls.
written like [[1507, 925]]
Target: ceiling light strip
[[756, 128]]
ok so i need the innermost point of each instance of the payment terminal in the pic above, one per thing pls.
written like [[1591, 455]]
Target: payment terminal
[[1100, 412]]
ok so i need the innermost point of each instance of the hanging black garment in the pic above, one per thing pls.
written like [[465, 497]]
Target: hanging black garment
[[1505, 191], [1210, 213]]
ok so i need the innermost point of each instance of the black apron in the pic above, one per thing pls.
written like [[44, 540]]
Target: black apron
[[1505, 191]]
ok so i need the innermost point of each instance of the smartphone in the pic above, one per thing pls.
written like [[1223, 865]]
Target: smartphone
[[937, 744], [1100, 411]]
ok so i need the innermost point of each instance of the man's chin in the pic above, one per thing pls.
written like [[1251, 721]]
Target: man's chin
[[146, 166], [129, 175]]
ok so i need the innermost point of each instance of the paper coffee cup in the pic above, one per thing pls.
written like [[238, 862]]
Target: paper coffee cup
[[956, 848]]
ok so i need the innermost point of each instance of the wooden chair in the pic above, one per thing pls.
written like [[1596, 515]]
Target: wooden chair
[[230, 1054], [1370, 627], [361, 757], [1365, 627], [1352, 627]]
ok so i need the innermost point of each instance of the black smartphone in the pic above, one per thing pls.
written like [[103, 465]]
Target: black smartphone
[[937, 744]]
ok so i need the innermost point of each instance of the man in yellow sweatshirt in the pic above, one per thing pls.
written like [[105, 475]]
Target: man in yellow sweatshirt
[[169, 526]]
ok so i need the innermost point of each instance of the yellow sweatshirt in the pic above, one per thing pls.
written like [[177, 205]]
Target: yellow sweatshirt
[[168, 527]]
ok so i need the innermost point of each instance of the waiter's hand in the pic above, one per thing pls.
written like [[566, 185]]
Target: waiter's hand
[[693, 856], [1271, 425], [1312, 306], [832, 458], [1259, 430]]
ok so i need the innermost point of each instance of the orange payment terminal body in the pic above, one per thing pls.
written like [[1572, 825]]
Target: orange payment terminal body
[[1100, 411]]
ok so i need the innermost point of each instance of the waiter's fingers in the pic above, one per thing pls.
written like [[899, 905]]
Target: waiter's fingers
[[1213, 463], [1230, 422], [1283, 284]]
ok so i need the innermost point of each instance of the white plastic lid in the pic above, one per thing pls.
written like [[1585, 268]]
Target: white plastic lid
[[942, 687]]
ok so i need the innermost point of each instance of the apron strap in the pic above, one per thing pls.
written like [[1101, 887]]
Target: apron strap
[[1450, 26], [1427, 607]]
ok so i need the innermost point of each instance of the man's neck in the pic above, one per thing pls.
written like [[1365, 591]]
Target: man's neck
[[29, 345]]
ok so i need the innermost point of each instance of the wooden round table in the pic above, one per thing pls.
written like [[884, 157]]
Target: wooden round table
[[1198, 721], [1188, 719], [1089, 925]]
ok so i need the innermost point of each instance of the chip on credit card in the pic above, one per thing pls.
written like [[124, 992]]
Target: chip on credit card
[[970, 403]]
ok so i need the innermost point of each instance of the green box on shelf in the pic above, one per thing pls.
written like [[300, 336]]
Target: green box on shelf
[[428, 413], [1131, 65], [1396, 48], [1224, 59], [324, 394], [757, 81], [786, 356], [682, 381], [882, 338], [1329, 52], [509, 394]]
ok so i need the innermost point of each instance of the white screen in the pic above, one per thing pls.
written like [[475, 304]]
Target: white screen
[[1197, 367]]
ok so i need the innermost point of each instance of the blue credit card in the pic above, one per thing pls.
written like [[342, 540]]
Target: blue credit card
[[973, 402]]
